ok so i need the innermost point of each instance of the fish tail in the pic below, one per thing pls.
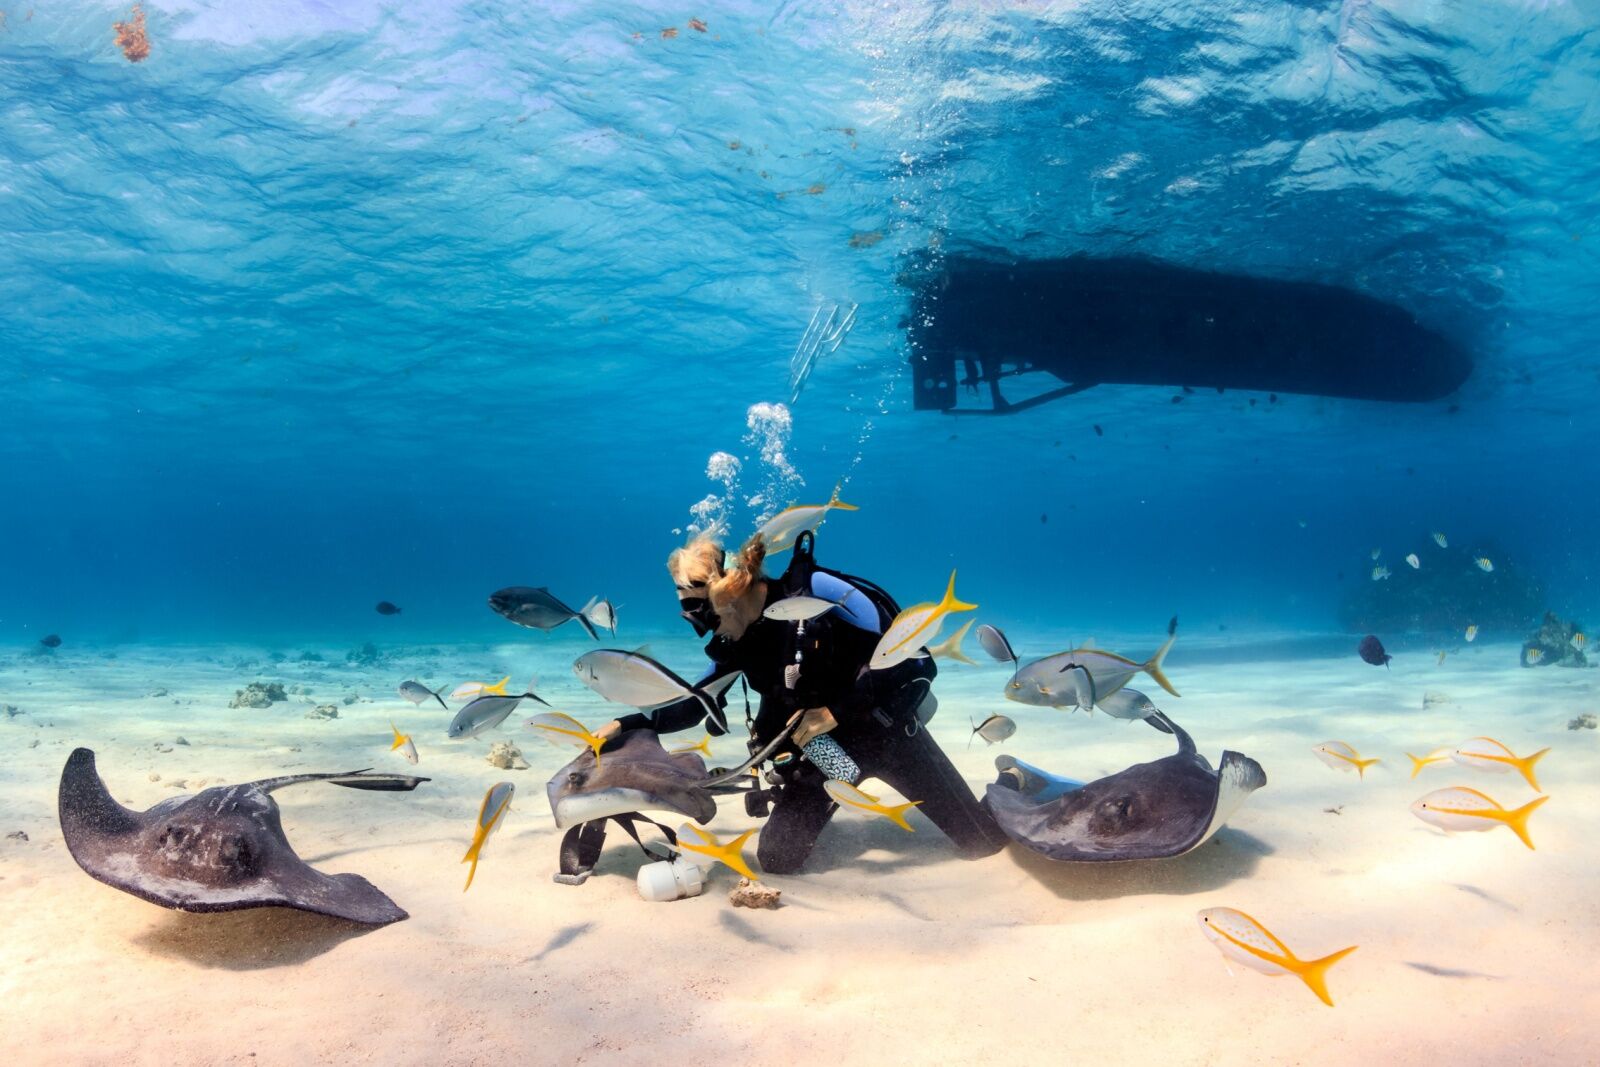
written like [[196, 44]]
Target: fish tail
[[1153, 668], [1518, 819], [1363, 764], [1416, 764], [1525, 765], [897, 814], [440, 699], [499, 688], [950, 603], [733, 855], [583, 620], [835, 502], [399, 738], [597, 744], [953, 646], [1314, 973], [590, 603], [472, 857]]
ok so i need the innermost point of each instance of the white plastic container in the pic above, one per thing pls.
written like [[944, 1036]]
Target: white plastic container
[[672, 879]]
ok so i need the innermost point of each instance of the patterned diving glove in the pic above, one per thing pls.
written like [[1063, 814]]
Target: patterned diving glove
[[831, 759]]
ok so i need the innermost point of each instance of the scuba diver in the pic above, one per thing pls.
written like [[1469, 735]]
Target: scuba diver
[[842, 720]]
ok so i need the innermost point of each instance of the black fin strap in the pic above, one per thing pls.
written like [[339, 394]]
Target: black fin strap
[[627, 823], [580, 850]]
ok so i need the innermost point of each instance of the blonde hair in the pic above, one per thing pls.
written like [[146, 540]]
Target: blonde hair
[[703, 562]]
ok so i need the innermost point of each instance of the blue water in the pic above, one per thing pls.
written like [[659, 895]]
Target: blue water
[[323, 304]]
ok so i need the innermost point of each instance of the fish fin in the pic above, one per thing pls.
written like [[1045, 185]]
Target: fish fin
[[1153, 668], [1416, 764], [950, 603], [498, 688], [1314, 973], [953, 645], [592, 601], [440, 699], [583, 620], [1518, 820], [717, 686], [897, 814], [399, 738], [642, 650], [1363, 764], [1525, 765]]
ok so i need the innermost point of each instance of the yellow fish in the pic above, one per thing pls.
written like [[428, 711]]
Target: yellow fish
[[1578, 641], [495, 803], [1487, 754], [1461, 809], [950, 648], [1243, 940], [846, 794], [914, 627], [480, 689], [1484, 564], [1533, 655], [1341, 757], [780, 531], [1438, 755], [561, 728], [731, 854], [1472, 633], [1439, 539], [703, 747], [1441, 659], [403, 743]]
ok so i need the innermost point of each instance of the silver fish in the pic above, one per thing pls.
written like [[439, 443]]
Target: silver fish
[[634, 679], [1129, 704], [994, 728], [803, 608], [994, 642], [601, 612], [419, 694], [485, 713], [1082, 677], [536, 608]]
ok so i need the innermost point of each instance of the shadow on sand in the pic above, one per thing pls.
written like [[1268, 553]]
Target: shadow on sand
[[1228, 857], [251, 940]]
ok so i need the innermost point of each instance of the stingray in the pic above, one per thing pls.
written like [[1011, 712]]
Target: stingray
[[1149, 811], [635, 774], [222, 849]]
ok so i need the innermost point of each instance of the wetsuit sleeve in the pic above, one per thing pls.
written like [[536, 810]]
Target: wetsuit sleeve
[[680, 714]]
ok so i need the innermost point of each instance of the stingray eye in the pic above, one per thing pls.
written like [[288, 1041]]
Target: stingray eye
[[173, 835], [574, 778]]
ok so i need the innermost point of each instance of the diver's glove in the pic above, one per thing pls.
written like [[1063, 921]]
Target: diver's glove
[[831, 759]]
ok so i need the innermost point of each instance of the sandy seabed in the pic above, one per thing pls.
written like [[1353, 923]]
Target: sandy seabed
[[1474, 950]]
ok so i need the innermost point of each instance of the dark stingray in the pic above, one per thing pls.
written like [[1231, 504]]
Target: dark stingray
[[1149, 811], [636, 774], [222, 849]]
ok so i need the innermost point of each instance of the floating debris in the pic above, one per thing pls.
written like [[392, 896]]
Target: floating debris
[[1585, 721]]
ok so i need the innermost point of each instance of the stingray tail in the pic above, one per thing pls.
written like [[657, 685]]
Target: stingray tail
[[1153, 668], [1314, 973]]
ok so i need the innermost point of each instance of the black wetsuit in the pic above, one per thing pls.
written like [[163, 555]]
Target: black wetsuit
[[875, 729]]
